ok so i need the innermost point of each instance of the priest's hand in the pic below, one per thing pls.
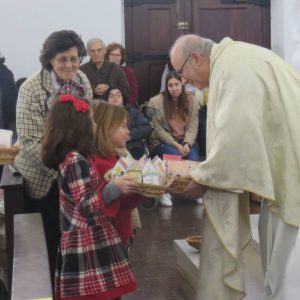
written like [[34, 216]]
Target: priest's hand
[[194, 190]]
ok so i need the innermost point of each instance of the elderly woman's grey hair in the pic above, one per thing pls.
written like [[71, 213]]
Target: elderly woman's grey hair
[[93, 41], [193, 43]]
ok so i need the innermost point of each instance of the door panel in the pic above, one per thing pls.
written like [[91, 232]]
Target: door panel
[[151, 27], [155, 69], [243, 22], [159, 21]]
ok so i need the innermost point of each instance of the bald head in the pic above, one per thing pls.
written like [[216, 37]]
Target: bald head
[[190, 43], [92, 41], [190, 56], [96, 50]]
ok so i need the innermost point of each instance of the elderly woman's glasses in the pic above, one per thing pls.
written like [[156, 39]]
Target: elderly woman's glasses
[[64, 60], [180, 70]]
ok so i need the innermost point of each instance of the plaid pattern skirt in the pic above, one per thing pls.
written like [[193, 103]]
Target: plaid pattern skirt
[[93, 261]]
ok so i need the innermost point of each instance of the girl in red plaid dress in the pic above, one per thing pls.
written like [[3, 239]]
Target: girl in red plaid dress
[[111, 135], [92, 261]]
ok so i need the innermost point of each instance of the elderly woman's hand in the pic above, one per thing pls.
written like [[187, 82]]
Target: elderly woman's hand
[[194, 190]]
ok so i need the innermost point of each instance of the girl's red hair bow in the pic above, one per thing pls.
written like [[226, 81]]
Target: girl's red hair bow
[[78, 104]]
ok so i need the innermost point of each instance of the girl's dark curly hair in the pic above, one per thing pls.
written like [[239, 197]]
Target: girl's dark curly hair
[[60, 41], [66, 130]]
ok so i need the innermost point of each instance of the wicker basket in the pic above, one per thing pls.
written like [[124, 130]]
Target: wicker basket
[[148, 190], [179, 184], [7, 154], [152, 190], [194, 241]]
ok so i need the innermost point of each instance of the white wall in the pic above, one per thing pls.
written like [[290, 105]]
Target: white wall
[[295, 53], [277, 27], [285, 29], [24, 25]]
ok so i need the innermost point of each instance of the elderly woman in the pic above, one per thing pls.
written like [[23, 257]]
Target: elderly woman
[[60, 59], [116, 53], [175, 123]]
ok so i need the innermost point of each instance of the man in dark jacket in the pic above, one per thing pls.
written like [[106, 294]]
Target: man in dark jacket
[[101, 73]]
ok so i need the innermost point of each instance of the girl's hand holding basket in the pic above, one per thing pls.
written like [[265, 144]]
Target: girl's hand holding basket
[[127, 185]]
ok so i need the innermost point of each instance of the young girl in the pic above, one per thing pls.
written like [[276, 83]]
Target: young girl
[[139, 127], [92, 262], [111, 135]]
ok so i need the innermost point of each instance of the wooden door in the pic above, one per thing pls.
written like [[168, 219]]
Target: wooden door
[[242, 20], [151, 27]]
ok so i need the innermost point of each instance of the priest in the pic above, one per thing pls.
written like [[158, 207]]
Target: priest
[[253, 146]]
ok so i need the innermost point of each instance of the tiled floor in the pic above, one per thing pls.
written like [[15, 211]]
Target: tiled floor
[[154, 260], [152, 254]]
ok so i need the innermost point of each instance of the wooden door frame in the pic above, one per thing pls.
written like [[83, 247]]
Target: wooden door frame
[[135, 56]]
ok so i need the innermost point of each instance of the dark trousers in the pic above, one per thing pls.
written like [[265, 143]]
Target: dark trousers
[[49, 209], [3, 291]]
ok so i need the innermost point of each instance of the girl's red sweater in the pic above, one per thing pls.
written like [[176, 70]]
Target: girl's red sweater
[[119, 210]]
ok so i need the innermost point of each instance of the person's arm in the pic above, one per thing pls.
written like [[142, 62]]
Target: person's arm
[[91, 77], [161, 130], [81, 186], [141, 127], [192, 128], [30, 121], [110, 193]]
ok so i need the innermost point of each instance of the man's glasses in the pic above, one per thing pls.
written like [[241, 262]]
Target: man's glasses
[[180, 70]]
